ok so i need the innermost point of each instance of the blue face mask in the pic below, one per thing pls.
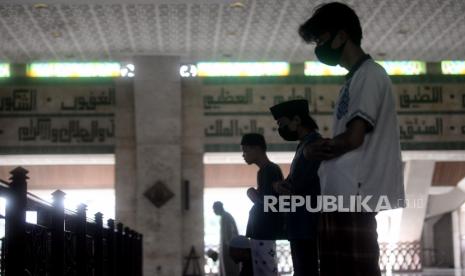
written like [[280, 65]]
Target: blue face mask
[[328, 55]]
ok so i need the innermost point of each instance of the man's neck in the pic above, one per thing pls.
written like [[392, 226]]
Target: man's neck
[[263, 161], [303, 131], [351, 55]]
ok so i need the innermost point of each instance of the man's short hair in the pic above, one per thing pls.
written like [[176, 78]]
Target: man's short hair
[[218, 204], [254, 139], [332, 17]]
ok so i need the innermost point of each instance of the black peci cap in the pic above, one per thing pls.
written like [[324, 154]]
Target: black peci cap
[[290, 109]]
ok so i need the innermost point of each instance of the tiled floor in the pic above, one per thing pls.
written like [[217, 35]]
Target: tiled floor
[[433, 272]]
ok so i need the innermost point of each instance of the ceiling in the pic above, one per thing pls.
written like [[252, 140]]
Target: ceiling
[[219, 30]]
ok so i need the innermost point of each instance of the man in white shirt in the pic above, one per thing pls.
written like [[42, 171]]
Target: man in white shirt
[[228, 230], [363, 158]]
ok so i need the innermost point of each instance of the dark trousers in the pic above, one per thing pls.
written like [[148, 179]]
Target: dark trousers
[[348, 245], [304, 257]]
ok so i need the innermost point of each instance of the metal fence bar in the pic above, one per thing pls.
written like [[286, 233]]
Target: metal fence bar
[[15, 223]]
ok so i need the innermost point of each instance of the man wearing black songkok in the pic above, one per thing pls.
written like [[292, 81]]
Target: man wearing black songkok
[[295, 124]]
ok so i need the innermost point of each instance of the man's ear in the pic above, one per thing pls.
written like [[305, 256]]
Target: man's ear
[[342, 37]]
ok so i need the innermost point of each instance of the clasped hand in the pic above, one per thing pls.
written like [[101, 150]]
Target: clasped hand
[[322, 149], [282, 187]]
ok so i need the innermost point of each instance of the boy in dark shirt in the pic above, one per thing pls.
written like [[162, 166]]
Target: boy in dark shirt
[[263, 228]]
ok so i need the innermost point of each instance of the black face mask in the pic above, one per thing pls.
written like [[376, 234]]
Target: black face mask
[[328, 55], [287, 134]]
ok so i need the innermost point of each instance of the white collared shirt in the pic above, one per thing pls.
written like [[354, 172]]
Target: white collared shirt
[[375, 168]]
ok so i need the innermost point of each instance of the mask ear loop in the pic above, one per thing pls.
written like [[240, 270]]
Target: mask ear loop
[[331, 39]]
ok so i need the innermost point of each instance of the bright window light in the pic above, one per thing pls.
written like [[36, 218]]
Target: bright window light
[[234, 201], [242, 69], [404, 67], [31, 217], [4, 70], [315, 68], [74, 70], [453, 67], [97, 200]]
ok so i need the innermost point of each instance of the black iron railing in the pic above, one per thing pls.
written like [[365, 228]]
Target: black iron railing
[[62, 242]]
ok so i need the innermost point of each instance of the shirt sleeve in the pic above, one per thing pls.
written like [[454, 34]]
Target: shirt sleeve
[[365, 98]]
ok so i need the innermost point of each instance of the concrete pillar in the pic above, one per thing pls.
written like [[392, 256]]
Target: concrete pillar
[[418, 176], [125, 154], [159, 137], [158, 130], [192, 164], [456, 238]]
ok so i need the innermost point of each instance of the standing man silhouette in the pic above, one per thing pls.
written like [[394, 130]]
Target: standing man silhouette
[[228, 230], [363, 157], [263, 228], [295, 124]]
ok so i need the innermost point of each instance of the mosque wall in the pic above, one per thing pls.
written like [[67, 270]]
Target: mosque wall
[[205, 115]]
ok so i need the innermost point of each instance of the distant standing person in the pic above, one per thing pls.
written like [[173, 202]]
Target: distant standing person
[[263, 229], [228, 230]]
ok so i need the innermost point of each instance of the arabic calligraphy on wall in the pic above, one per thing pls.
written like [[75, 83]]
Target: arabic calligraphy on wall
[[426, 112], [57, 116], [49, 131], [430, 97], [56, 99], [259, 98], [322, 98], [229, 129], [19, 100]]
